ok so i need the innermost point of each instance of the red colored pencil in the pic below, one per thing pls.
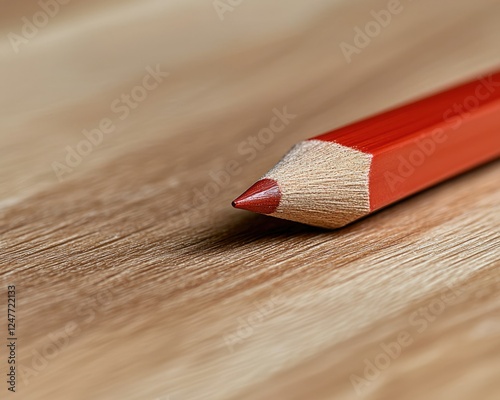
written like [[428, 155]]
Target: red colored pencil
[[340, 176]]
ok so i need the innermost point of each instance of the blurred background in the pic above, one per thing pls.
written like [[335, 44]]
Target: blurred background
[[229, 64]]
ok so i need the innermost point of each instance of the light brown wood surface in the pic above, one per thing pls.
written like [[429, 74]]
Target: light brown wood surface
[[168, 302]]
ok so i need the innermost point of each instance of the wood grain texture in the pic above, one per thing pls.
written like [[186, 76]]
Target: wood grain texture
[[170, 301]]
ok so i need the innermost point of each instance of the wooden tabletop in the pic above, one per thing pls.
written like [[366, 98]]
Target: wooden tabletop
[[127, 128]]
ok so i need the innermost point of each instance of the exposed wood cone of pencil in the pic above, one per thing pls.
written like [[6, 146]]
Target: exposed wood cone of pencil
[[343, 175]]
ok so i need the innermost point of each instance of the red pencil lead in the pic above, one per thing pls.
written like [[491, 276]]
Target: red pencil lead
[[263, 197]]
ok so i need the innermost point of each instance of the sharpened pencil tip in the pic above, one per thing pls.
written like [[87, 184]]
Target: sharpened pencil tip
[[263, 197]]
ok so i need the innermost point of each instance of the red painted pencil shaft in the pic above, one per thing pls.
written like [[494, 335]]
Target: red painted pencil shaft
[[425, 142]]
